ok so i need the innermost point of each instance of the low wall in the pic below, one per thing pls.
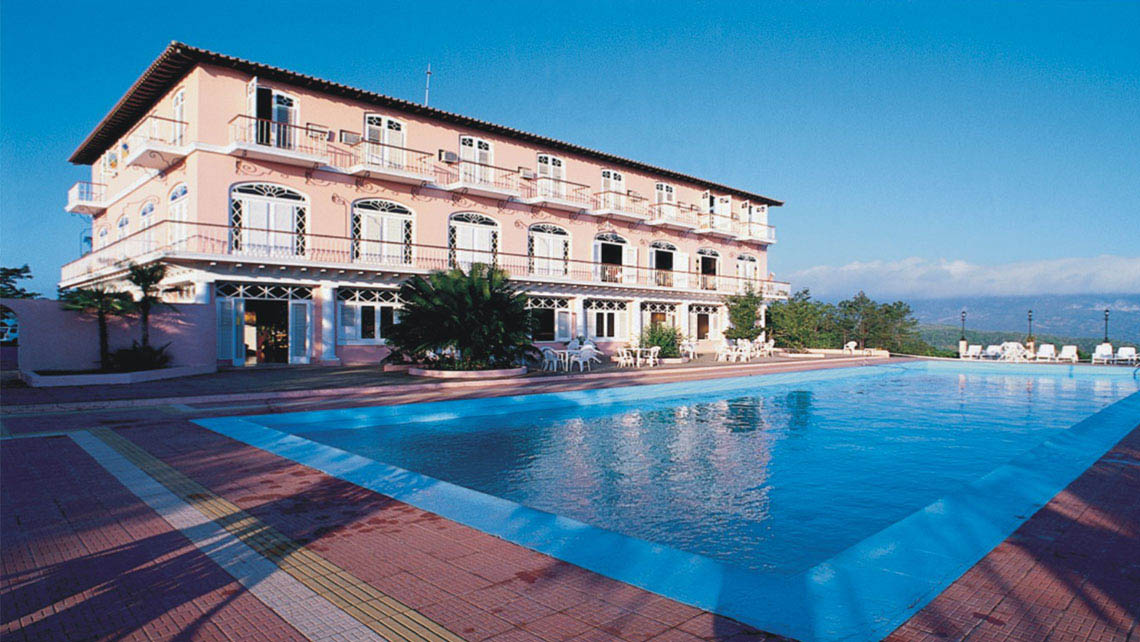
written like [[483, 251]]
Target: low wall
[[52, 338]]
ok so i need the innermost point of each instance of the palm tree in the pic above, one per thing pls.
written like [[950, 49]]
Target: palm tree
[[146, 278], [478, 314], [102, 303]]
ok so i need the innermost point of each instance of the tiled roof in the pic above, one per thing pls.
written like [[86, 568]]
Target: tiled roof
[[178, 59]]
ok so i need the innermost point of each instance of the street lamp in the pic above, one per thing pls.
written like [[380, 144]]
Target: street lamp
[[1106, 325], [963, 338], [1031, 324]]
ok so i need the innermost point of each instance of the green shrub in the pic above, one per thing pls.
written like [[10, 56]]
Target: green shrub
[[667, 337], [139, 357]]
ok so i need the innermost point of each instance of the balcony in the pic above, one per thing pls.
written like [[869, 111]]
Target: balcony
[[86, 198], [389, 162], [157, 143], [480, 179], [261, 249], [621, 205], [278, 142], [673, 215], [760, 233], [557, 194], [717, 225]]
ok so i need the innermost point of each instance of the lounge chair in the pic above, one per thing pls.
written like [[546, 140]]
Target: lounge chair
[[1103, 354], [1068, 353], [973, 352], [1046, 352], [1127, 354], [992, 352], [1014, 352]]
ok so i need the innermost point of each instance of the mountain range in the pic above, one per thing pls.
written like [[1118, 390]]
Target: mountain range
[[1077, 316]]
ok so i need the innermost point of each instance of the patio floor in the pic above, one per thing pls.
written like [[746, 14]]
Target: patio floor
[[132, 524]]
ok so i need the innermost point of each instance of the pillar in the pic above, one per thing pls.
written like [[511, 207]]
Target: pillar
[[636, 321], [683, 315], [578, 305], [326, 296]]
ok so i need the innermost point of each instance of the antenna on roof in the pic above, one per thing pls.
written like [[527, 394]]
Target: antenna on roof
[[427, 85]]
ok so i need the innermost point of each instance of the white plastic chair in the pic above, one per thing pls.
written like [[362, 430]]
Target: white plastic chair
[[573, 345], [849, 347], [725, 352], [1068, 353], [1126, 354], [688, 350], [582, 358], [653, 358], [1103, 354], [550, 360], [1013, 351], [625, 358], [1046, 352]]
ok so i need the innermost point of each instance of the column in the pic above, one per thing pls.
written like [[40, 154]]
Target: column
[[326, 296], [683, 319], [578, 305], [202, 291], [636, 321]]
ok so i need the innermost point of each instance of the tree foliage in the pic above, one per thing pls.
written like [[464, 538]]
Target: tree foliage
[[8, 287], [102, 303], [801, 322], [147, 279], [744, 315], [667, 337], [478, 317]]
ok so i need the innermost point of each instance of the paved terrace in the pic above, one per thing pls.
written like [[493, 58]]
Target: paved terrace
[[133, 523]]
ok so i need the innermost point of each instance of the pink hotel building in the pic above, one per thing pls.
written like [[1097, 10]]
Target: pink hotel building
[[296, 206]]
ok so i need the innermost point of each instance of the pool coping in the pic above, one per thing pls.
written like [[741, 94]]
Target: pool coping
[[863, 592]]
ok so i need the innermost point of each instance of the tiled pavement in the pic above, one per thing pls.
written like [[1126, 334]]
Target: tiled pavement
[[84, 558]]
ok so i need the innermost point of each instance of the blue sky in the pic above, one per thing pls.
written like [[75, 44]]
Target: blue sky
[[922, 148]]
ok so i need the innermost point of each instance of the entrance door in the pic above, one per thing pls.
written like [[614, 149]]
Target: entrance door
[[265, 332], [702, 326], [231, 331]]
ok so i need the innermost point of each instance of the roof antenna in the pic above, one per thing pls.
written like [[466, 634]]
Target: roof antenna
[[427, 85]]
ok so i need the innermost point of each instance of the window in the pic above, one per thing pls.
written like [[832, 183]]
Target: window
[[662, 261], [365, 323], [381, 232], [103, 237], [605, 324], [475, 158], [471, 238], [613, 189], [178, 136], [551, 317], [747, 269], [384, 141], [551, 174], [548, 250], [611, 253], [179, 225], [267, 220], [123, 227], [606, 319], [146, 216], [273, 114], [665, 193], [709, 261]]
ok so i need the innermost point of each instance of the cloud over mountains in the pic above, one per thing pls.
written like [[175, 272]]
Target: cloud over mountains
[[923, 278]]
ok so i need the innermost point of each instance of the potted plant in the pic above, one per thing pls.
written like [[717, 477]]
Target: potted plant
[[666, 337]]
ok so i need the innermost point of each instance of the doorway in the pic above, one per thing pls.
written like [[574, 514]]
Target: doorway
[[611, 255], [265, 333], [702, 326]]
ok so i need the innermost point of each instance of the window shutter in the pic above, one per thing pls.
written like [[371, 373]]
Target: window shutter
[[562, 325], [347, 322], [681, 270], [621, 330], [629, 264], [225, 329], [597, 261]]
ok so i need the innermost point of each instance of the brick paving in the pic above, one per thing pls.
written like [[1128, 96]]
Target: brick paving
[[83, 558]]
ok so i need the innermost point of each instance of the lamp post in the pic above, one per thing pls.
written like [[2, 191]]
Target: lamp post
[[1106, 325], [1031, 323], [962, 338], [1030, 343]]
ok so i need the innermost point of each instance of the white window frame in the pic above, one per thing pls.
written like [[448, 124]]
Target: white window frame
[[355, 339], [479, 171], [613, 189]]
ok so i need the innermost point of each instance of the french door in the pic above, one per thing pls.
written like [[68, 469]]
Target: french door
[[475, 156], [384, 141], [474, 244]]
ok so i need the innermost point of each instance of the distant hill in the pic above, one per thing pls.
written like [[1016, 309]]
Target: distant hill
[[1077, 319]]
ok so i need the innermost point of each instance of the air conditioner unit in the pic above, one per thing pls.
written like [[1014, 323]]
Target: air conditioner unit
[[526, 173], [448, 157], [349, 138]]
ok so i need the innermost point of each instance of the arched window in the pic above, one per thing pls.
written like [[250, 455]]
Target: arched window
[[102, 237], [179, 214], [548, 250], [267, 220], [123, 227], [471, 238], [615, 260], [381, 232], [663, 260], [709, 261], [146, 216], [747, 270]]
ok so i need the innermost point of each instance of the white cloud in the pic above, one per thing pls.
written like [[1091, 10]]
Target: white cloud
[[923, 278]]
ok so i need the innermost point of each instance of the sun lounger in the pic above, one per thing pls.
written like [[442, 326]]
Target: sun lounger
[[1046, 352], [1068, 353], [1103, 354]]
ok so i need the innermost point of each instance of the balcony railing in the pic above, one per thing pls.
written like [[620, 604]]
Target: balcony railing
[[557, 193], [760, 232], [674, 214], [157, 142], [717, 223], [249, 245], [621, 205], [372, 157], [87, 198], [273, 140], [480, 178]]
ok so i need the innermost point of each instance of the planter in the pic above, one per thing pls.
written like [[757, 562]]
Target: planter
[[804, 355], [37, 380], [417, 371], [673, 361], [397, 367]]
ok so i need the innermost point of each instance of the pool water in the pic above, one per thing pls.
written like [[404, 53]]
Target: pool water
[[768, 473]]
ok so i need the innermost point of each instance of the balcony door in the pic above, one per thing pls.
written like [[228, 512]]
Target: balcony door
[[384, 141], [472, 238], [549, 247], [615, 260], [709, 262], [613, 190], [267, 220], [551, 174], [475, 159], [381, 232], [662, 257], [274, 114]]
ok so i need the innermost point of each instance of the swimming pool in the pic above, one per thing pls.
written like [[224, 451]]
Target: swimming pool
[[725, 492]]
